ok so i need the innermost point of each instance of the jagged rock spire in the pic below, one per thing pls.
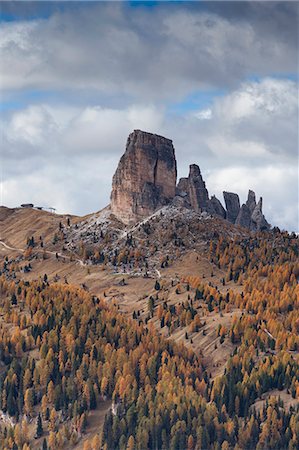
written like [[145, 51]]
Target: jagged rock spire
[[232, 203], [215, 207], [145, 180], [251, 214], [193, 189]]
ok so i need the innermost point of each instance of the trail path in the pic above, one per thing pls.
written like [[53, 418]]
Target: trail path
[[60, 255]]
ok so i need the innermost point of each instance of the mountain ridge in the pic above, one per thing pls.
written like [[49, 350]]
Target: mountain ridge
[[146, 180]]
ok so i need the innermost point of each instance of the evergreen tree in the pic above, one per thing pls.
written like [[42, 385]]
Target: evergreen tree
[[39, 426]]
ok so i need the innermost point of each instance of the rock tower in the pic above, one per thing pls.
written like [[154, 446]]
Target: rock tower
[[145, 179]]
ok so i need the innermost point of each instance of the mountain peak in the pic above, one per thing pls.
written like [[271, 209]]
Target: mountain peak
[[145, 181]]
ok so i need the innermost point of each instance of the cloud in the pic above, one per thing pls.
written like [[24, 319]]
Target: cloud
[[31, 126], [278, 185], [65, 157], [257, 120], [74, 150], [79, 78], [148, 54]]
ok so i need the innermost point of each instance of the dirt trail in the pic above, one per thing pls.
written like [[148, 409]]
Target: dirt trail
[[48, 252]]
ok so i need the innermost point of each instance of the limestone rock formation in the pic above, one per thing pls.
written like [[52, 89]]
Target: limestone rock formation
[[251, 214], [244, 217], [145, 179], [198, 192], [258, 221], [194, 189], [215, 207], [232, 204], [183, 187], [251, 202]]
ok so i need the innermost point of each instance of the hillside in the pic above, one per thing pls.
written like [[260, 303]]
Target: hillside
[[188, 277], [163, 321]]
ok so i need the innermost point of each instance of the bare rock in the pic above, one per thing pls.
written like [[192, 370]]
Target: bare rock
[[199, 196], [251, 202], [215, 207], [145, 179], [194, 189], [183, 187], [258, 221], [232, 203], [244, 217]]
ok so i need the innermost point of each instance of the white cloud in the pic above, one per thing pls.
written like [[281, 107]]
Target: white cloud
[[32, 125], [66, 155], [154, 53], [278, 185], [138, 59], [257, 120], [268, 99], [204, 114]]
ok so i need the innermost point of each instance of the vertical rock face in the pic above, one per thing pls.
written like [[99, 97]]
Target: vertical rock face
[[198, 192], [145, 178], [193, 189], [251, 214], [232, 204], [251, 202], [183, 187], [258, 221], [244, 217], [215, 207]]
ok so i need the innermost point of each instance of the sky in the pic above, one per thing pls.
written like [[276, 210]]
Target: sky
[[218, 78]]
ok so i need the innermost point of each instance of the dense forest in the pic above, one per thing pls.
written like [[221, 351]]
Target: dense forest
[[63, 352]]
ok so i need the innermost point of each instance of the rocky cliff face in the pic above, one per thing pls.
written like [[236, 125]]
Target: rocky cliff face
[[258, 221], [244, 217], [251, 202], [232, 204], [145, 178], [198, 192], [251, 214], [193, 189], [215, 207]]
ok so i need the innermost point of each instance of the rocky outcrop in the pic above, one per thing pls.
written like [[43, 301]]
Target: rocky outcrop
[[251, 202], [145, 179], [193, 189], [198, 192], [258, 221], [232, 204], [251, 214], [215, 207], [244, 217], [183, 188]]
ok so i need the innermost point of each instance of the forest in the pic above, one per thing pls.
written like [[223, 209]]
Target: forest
[[63, 352]]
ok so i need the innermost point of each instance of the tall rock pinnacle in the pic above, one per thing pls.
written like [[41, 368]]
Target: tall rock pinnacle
[[232, 203], [199, 196], [145, 179], [258, 221], [251, 215], [194, 189]]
